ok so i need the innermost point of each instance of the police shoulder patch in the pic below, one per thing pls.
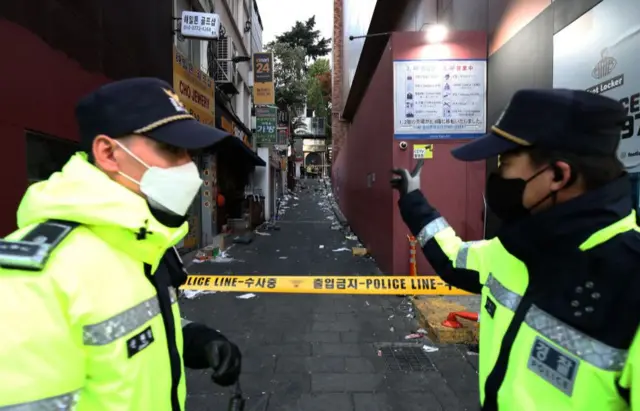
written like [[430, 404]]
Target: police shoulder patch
[[553, 365], [32, 251]]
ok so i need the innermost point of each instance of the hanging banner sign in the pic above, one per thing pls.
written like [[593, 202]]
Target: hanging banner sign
[[439, 99], [263, 81], [196, 25], [599, 53]]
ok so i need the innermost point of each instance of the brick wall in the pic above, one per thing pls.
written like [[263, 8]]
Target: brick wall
[[338, 128]]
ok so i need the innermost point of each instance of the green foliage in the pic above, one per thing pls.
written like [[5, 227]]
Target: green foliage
[[304, 34], [289, 75], [297, 79], [319, 90]]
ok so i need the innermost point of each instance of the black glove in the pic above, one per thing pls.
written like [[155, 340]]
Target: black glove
[[225, 360], [405, 181]]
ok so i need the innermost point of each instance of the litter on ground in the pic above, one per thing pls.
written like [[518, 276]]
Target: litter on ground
[[246, 296], [413, 336], [427, 348], [191, 294], [337, 250]]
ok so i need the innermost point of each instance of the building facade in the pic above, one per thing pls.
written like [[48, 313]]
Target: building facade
[[67, 50], [517, 43], [55, 53], [228, 174], [240, 34]]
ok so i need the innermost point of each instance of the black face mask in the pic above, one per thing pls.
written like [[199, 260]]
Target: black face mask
[[505, 195]]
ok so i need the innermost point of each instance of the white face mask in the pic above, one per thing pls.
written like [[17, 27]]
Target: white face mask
[[169, 189]]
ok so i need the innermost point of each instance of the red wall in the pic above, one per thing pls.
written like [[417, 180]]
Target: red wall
[[370, 210], [454, 187], [39, 88]]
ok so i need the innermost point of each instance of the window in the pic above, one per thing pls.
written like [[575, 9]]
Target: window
[[46, 155]]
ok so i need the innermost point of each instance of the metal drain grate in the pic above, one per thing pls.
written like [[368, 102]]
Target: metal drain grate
[[408, 358]]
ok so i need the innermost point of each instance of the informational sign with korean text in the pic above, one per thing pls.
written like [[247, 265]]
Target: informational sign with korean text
[[439, 99], [599, 53], [195, 89], [198, 25], [266, 125], [263, 84], [422, 151]]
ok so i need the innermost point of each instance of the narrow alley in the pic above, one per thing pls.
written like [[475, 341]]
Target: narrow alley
[[323, 352]]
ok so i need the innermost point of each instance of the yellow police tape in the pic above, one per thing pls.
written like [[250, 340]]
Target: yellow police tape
[[391, 285]]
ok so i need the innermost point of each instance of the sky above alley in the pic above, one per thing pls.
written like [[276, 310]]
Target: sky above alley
[[279, 16]]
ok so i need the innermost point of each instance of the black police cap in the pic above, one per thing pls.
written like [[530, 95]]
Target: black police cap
[[144, 106], [573, 121]]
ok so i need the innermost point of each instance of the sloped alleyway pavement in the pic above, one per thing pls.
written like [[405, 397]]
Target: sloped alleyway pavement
[[323, 352]]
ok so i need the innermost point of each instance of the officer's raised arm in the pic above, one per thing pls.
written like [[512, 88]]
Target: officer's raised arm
[[457, 262]]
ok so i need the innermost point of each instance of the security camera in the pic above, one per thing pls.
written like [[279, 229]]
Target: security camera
[[403, 145]]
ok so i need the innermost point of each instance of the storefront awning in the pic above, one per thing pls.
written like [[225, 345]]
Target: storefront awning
[[236, 148], [252, 155]]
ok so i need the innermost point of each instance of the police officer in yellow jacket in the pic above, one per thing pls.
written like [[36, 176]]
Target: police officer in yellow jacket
[[560, 281], [88, 306]]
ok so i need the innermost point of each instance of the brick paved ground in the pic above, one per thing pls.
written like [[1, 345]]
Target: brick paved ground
[[322, 352]]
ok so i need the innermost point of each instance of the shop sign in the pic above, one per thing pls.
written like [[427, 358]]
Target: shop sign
[[237, 131], [283, 118], [439, 99], [266, 125], [283, 136], [599, 53], [226, 124], [196, 25], [195, 89], [263, 84]]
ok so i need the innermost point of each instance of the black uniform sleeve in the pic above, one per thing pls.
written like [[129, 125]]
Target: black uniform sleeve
[[446, 252]]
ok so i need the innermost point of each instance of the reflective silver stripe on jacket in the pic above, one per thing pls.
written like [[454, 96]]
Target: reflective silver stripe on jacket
[[502, 294], [588, 349], [463, 254], [430, 230], [121, 324], [64, 402]]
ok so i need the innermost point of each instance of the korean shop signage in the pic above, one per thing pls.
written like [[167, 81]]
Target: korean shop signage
[[263, 84], [196, 25], [266, 125], [195, 89]]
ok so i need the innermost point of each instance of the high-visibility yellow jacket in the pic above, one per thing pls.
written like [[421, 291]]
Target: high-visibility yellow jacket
[[87, 326], [560, 301]]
